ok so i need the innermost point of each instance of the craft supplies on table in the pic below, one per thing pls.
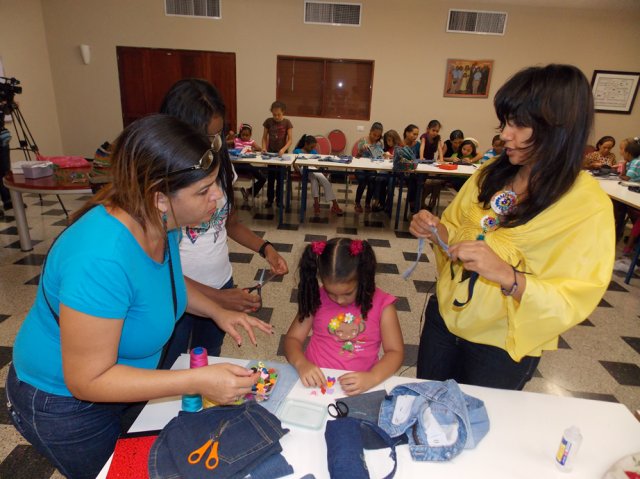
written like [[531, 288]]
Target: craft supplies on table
[[302, 413]]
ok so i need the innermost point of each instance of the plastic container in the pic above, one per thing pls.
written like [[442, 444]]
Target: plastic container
[[568, 449], [37, 169], [302, 413]]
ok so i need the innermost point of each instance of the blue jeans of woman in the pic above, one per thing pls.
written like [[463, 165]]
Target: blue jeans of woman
[[443, 355], [192, 331], [76, 436]]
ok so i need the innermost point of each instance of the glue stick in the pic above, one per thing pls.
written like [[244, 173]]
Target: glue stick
[[198, 358], [568, 449]]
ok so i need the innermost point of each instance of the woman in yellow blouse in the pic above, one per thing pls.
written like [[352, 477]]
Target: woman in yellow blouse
[[603, 156], [527, 246]]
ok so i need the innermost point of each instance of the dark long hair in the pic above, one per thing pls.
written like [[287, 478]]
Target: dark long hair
[[143, 156], [557, 103], [337, 264], [196, 102], [305, 140]]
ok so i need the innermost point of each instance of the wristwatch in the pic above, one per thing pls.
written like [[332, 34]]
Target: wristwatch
[[262, 249]]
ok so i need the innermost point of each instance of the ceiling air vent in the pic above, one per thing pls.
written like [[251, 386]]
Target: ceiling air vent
[[474, 21], [193, 8], [326, 13]]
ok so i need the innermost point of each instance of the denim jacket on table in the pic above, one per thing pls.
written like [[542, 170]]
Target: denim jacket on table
[[437, 417]]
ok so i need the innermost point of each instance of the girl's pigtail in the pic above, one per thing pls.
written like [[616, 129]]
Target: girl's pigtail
[[308, 289], [366, 277]]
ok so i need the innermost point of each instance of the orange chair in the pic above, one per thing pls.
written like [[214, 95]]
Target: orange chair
[[338, 141]]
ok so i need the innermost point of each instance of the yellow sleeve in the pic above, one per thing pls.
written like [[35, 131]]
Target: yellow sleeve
[[570, 274]]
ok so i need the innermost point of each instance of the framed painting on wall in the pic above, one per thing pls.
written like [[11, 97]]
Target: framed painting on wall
[[614, 92], [468, 78]]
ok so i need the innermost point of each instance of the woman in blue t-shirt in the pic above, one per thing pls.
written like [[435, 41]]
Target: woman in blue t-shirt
[[109, 295]]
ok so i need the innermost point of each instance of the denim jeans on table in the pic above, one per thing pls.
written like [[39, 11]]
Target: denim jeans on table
[[437, 417], [76, 436], [443, 355], [248, 435], [192, 331]]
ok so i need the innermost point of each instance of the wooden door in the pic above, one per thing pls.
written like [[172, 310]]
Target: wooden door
[[146, 74]]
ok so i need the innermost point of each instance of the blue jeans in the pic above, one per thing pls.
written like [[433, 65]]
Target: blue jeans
[[76, 436], [192, 331], [443, 355], [248, 435]]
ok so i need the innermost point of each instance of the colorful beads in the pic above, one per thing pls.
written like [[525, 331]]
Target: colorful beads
[[504, 203]]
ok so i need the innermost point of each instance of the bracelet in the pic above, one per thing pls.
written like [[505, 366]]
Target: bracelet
[[261, 251], [514, 286]]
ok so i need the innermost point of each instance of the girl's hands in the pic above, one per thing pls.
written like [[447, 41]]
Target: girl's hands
[[311, 375], [479, 257], [229, 321], [356, 383], [236, 299], [225, 383]]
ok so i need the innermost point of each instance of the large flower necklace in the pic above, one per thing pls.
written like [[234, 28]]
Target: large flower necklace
[[503, 203]]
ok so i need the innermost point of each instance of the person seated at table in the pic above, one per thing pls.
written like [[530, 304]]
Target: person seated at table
[[350, 318], [431, 145], [453, 143], [603, 156], [466, 153], [631, 156], [391, 140], [410, 140], [369, 146], [497, 147], [246, 144], [110, 292], [523, 264], [307, 146], [204, 251]]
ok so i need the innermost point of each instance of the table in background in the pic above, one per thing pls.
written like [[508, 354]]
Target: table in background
[[622, 194], [64, 181], [284, 168], [523, 439]]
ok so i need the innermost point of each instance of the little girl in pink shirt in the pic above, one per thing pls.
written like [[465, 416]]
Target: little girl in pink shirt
[[350, 318]]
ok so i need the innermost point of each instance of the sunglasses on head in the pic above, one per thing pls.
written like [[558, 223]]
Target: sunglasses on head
[[207, 158]]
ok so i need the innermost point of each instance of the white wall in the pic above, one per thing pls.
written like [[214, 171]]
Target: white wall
[[405, 38]]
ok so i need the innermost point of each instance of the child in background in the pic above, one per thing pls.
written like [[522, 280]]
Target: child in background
[[244, 141], [391, 140], [349, 316], [277, 138], [497, 147], [246, 144], [410, 140], [431, 143], [622, 164], [453, 143], [466, 153], [631, 156], [369, 146], [307, 146]]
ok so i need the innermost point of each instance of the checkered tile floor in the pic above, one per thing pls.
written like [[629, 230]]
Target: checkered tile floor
[[599, 359]]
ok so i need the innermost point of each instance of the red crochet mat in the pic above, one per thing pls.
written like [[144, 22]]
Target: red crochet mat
[[130, 458], [66, 161]]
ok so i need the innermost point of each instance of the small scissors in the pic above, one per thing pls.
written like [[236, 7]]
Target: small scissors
[[261, 282], [338, 410], [212, 460]]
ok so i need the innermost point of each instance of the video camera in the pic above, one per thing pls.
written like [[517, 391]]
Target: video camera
[[9, 88]]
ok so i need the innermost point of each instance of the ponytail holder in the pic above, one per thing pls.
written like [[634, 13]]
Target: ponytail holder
[[318, 247], [356, 247]]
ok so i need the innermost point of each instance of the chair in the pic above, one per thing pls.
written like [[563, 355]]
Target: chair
[[354, 149], [323, 146], [338, 141]]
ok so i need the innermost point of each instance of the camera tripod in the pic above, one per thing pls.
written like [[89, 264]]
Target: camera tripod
[[26, 143]]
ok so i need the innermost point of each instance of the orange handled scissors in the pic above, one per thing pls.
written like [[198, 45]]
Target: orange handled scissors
[[212, 460]]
